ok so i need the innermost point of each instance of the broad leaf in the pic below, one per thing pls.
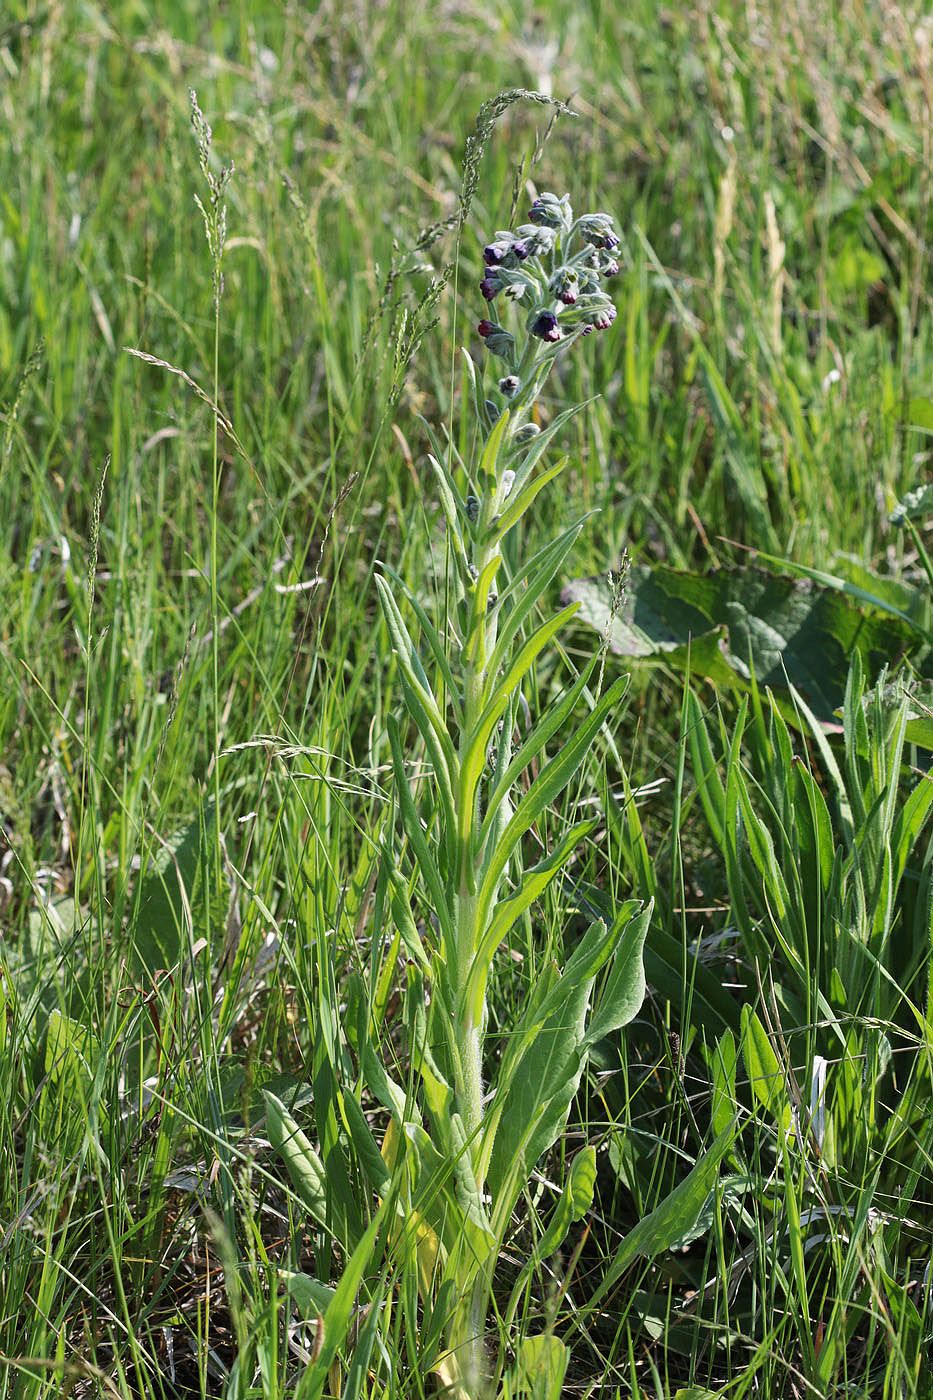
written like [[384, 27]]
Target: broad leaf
[[764, 1069], [540, 1369], [673, 1218], [174, 894], [733, 623]]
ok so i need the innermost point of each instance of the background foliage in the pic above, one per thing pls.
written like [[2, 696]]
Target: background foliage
[[195, 766]]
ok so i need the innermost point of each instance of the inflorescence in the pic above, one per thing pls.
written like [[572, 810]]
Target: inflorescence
[[552, 266]]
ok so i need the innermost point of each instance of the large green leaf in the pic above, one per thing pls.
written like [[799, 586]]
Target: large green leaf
[[539, 1370], [673, 1219], [541, 1076], [735, 622], [177, 898]]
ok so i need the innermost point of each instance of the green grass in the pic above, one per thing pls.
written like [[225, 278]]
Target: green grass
[[195, 771]]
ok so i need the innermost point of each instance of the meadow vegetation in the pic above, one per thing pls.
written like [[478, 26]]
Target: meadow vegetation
[[249, 1059]]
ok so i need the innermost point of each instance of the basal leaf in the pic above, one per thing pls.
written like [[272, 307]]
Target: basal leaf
[[673, 1218], [624, 989], [764, 1069], [780, 629]]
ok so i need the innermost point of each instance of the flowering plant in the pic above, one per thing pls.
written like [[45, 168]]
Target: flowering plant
[[466, 839], [461, 1148]]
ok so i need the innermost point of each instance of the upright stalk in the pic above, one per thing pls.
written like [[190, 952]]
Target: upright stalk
[[470, 849]]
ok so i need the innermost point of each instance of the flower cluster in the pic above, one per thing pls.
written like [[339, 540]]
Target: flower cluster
[[552, 267]]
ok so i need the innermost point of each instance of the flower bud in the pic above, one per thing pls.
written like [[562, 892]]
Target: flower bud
[[491, 285], [551, 212], [545, 327], [526, 432], [508, 481], [472, 508], [604, 317], [495, 253], [610, 268], [598, 231], [536, 242], [510, 385], [498, 340], [564, 285]]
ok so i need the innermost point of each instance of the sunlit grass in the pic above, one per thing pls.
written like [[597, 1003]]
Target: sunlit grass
[[195, 776]]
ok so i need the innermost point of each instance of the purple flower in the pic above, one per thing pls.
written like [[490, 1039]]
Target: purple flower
[[498, 340], [490, 287], [545, 327], [565, 286], [610, 268], [495, 253], [520, 249], [604, 317]]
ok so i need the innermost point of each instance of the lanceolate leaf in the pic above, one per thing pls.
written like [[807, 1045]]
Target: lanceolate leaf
[[523, 499], [764, 1069], [543, 732], [534, 882], [540, 1077], [302, 1162], [672, 1219], [551, 781], [624, 990], [575, 1200], [416, 836]]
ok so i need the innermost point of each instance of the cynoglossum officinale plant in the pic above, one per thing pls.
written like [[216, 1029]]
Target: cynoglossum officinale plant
[[460, 1149], [470, 1146]]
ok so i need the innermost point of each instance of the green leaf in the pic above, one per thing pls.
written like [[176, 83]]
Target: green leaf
[[550, 723], [917, 694], [499, 691], [764, 1069], [173, 896], [523, 499], [744, 621], [541, 1071], [367, 1149], [415, 833], [533, 884], [336, 1321], [575, 1200], [673, 1218], [624, 989], [311, 1297], [302, 1163], [920, 415], [540, 1369], [551, 781], [722, 1109], [671, 975]]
